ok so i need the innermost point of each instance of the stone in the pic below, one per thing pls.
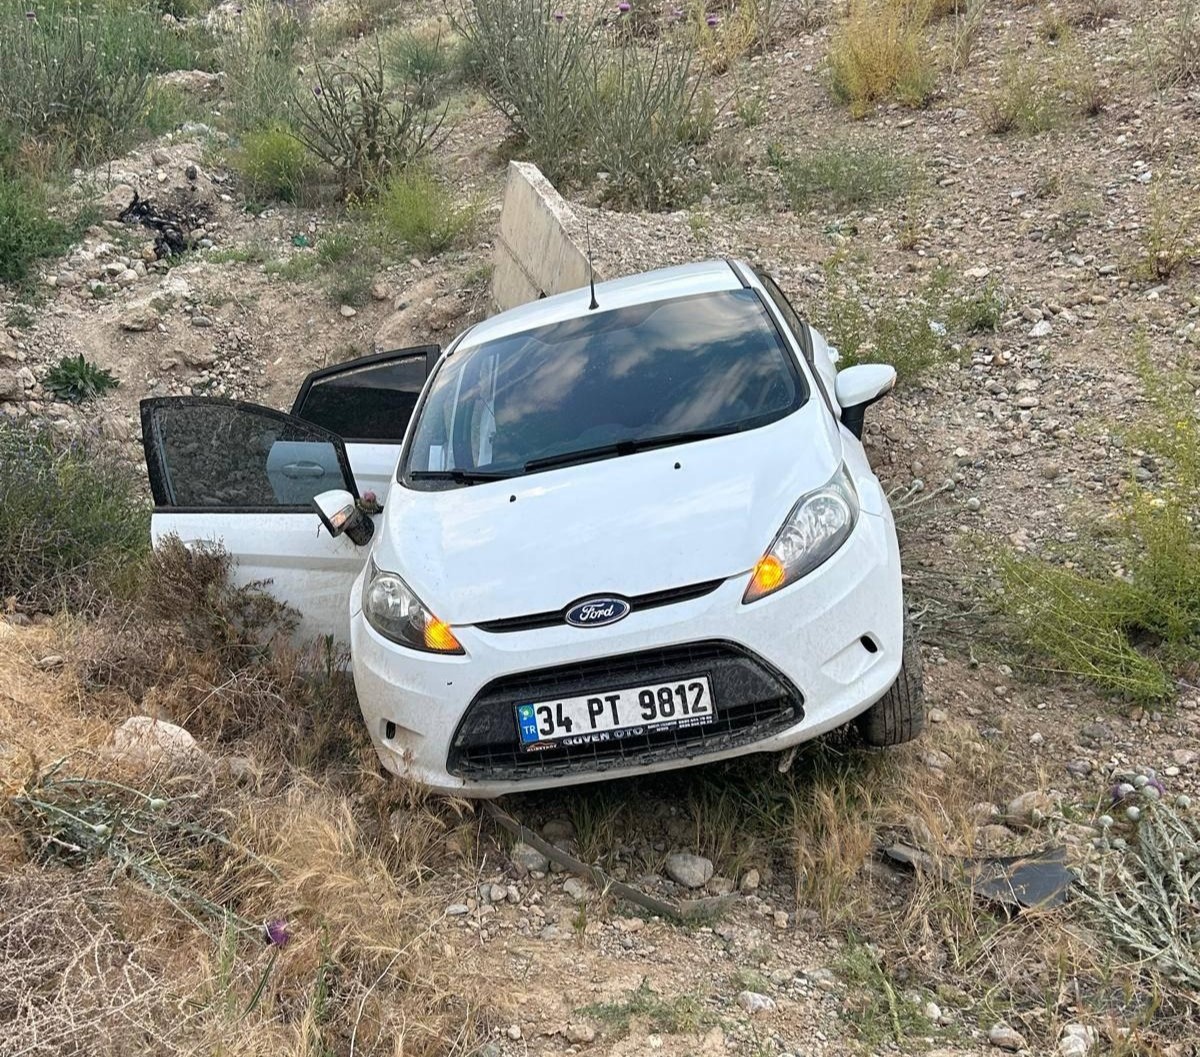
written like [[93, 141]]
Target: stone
[[11, 386], [1079, 768], [720, 886], [1183, 757], [750, 880], [347, 312], [1004, 1037], [139, 318], [931, 1012], [780, 919], [578, 1034], [993, 834], [691, 871], [114, 202], [754, 1003], [1078, 1040], [558, 829], [1030, 808], [980, 272], [201, 321], [457, 910], [936, 715], [199, 357], [514, 1032], [1041, 329], [574, 888], [195, 81], [150, 740], [529, 858]]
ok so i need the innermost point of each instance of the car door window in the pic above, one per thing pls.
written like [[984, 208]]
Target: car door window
[[207, 454], [799, 331], [368, 400]]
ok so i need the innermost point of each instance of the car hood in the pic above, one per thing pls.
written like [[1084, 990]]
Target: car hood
[[629, 525]]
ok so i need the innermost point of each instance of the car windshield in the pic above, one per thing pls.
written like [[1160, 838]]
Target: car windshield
[[606, 383]]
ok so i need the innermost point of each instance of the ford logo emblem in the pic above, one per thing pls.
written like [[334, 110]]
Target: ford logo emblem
[[596, 612]]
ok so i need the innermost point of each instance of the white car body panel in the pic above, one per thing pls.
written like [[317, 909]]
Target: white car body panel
[[629, 525]]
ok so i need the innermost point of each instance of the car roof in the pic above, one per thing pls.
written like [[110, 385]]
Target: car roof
[[661, 285]]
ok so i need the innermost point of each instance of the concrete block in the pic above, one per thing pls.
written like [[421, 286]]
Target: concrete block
[[536, 253]]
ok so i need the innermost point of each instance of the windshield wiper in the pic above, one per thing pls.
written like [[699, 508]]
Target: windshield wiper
[[463, 476], [623, 447]]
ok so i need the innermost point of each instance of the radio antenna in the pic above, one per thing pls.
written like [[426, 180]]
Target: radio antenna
[[587, 227]]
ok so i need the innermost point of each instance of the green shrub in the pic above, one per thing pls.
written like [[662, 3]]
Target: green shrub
[[642, 115], [423, 63], [874, 325], [72, 519], [273, 165], [843, 175], [582, 106], [423, 214], [27, 231], [881, 51], [258, 57], [534, 68], [76, 379], [1125, 632], [78, 72], [348, 121]]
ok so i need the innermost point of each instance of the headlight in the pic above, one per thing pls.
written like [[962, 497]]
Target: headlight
[[817, 526], [396, 613]]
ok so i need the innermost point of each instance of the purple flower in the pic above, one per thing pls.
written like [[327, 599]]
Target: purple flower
[[317, 89], [559, 16], [370, 497], [277, 933], [712, 21], [623, 7]]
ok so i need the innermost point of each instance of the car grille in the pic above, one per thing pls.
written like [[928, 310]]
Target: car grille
[[636, 603], [752, 701]]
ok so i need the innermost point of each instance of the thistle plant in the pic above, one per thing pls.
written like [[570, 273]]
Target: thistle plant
[[1143, 891]]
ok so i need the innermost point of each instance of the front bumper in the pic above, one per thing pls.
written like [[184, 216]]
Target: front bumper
[[785, 669]]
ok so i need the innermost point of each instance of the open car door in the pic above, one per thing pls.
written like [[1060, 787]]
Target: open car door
[[368, 403], [244, 477]]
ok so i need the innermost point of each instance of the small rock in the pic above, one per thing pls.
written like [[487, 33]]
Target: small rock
[[150, 740], [11, 386], [1078, 1040], [50, 662], [574, 888], [558, 829], [139, 318], [514, 1032], [1030, 808], [201, 321], [116, 200], [529, 858], [936, 715], [1041, 329], [1079, 768], [1005, 1038], [348, 312], [754, 1003], [1183, 757], [750, 880], [457, 910], [932, 1012], [979, 272], [691, 871], [720, 886], [780, 918], [578, 1034]]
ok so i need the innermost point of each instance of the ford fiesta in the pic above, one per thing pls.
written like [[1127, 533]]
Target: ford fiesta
[[622, 530]]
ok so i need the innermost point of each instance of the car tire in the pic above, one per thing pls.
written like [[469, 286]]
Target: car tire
[[899, 715]]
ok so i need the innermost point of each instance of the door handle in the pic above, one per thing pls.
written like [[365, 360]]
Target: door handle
[[300, 470]]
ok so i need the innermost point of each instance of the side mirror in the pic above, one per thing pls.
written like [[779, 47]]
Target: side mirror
[[338, 511], [860, 386]]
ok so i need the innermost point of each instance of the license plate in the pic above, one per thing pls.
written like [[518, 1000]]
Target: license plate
[[616, 714]]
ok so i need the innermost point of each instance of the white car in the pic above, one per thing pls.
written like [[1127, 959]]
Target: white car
[[627, 529]]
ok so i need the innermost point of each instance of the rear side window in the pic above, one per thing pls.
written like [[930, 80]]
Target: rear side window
[[708, 363], [370, 401]]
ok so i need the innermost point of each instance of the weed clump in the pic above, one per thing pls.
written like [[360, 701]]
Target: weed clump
[[72, 519], [422, 213], [1124, 617], [881, 51], [27, 230], [273, 165], [76, 379], [846, 175]]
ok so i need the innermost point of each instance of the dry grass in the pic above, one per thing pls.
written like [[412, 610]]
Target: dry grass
[[881, 51], [133, 892]]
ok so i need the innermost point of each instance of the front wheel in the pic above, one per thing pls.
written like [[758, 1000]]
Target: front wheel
[[899, 715]]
